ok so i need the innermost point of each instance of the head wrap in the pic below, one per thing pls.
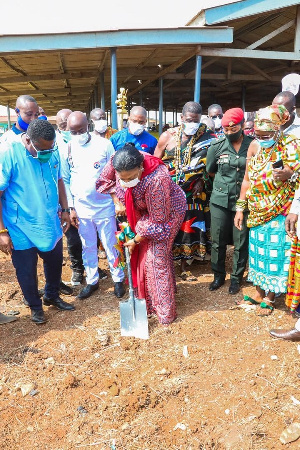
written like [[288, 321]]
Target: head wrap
[[271, 118], [232, 117]]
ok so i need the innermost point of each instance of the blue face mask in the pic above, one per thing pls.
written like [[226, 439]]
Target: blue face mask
[[43, 117], [66, 135], [22, 124], [267, 144]]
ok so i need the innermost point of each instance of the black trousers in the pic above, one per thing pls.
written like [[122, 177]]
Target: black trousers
[[75, 249], [25, 263], [223, 232]]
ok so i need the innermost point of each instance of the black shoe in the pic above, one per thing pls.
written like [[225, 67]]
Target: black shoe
[[102, 274], [119, 289], [77, 278], [58, 303], [216, 284], [64, 289], [234, 287], [38, 317], [87, 291]]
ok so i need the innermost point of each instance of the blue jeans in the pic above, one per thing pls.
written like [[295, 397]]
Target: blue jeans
[[25, 263]]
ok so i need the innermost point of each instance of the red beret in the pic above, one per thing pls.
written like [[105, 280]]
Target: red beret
[[232, 117]]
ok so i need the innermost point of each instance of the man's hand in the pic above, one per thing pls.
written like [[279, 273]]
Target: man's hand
[[65, 221], [198, 187], [282, 174], [290, 224], [74, 218], [6, 245], [238, 220]]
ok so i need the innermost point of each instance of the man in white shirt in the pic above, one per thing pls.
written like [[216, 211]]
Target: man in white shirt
[[292, 126], [91, 212]]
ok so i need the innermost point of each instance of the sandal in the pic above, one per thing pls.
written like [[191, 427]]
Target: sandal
[[268, 309], [247, 301], [187, 276]]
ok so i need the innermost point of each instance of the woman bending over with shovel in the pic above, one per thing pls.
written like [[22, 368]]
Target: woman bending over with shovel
[[141, 188]]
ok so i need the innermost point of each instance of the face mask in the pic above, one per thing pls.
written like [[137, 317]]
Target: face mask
[[80, 139], [191, 128], [129, 184], [22, 124], [136, 128], [66, 135], [233, 137], [43, 156], [266, 144], [218, 123], [43, 117], [100, 125]]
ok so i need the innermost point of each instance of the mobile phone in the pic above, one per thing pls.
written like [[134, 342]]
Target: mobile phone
[[278, 164]]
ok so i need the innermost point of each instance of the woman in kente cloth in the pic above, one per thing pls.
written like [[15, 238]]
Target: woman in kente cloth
[[141, 188], [183, 149], [268, 189]]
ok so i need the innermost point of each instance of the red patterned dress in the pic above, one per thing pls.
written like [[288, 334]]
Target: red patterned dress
[[160, 206]]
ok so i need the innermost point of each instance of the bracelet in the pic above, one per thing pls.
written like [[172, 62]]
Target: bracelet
[[241, 205], [66, 210], [5, 230], [137, 243]]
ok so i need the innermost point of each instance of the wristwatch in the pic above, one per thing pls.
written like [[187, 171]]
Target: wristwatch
[[65, 210]]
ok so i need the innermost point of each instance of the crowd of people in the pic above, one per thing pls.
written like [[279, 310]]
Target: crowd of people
[[211, 182]]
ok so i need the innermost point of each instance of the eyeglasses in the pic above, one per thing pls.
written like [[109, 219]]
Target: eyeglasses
[[218, 116], [46, 151]]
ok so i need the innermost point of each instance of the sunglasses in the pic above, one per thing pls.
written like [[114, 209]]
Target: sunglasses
[[46, 151], [218, 116]]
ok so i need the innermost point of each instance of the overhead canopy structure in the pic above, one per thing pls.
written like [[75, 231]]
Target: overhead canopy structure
[[73, 70], [235, 55]]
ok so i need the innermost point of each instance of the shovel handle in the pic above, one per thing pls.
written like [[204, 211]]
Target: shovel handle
[[127, 255]]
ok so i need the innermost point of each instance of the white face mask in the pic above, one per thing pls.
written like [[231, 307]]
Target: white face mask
[[129, 184], [80, 139], [136, 128], [191, 128], [218, 123], [100, 125]]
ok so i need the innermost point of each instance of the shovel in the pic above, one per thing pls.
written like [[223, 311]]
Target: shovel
[[133, 312]]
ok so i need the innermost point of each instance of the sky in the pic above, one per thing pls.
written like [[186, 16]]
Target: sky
[[57, 16]]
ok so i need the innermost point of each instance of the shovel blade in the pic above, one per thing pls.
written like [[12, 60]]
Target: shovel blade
[[134, 321]]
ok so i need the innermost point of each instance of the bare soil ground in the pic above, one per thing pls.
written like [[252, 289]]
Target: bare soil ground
[[214, 379]]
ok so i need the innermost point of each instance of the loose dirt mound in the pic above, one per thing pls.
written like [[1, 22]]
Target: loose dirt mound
[[214, 379]]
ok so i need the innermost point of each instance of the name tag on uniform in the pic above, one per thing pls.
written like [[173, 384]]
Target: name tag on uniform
[[224, 159]]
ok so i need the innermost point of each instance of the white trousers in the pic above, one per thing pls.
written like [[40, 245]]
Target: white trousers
[[106, 229]]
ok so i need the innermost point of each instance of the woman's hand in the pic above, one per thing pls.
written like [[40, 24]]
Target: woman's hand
[[131, 246], [6, 245], [238, 220], [282, 174], [119, 208], [290, 224], [74, 218]]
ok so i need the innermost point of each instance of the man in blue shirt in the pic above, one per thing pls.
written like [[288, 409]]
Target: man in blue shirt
[[27, 110], [135, 132], [31, 188]]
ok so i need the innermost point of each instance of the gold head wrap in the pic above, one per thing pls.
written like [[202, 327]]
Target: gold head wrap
[[271, 118]]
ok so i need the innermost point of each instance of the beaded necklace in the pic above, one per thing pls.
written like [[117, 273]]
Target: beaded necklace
[[182, 157]]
